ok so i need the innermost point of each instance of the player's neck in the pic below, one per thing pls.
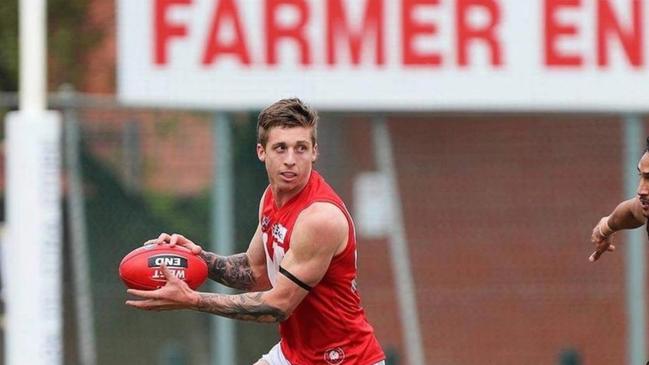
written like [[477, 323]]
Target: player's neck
[[283, 196]]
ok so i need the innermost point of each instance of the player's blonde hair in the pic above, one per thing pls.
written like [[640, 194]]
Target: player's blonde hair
[[286, 113]]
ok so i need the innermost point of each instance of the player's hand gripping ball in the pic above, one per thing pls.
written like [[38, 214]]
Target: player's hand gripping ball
[[140, 269]]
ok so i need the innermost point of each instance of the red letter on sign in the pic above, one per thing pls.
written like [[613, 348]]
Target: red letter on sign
[[276, 31], [337, 25], [163, 30], [226, 11], [553, 29], [466, 32], [631, 40], [411, 29]]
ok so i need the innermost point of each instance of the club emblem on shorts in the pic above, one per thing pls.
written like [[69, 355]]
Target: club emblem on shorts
[[334, 356]]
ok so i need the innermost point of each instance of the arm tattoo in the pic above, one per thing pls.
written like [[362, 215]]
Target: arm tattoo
[[247, 307], [233, 271]]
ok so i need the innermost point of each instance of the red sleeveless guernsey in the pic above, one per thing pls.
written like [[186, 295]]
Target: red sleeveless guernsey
[[329, 326]]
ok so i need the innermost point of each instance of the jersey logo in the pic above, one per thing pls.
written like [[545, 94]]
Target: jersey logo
[[279, 233], [274, 241], [334, 356]]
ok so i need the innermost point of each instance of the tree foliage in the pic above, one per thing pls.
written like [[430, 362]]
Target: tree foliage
[[8, 45], [69, 37]]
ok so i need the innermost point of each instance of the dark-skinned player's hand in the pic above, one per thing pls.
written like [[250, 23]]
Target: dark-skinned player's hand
[[601, 238]]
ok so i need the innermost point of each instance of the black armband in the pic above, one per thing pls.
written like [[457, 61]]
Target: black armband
[[292, 277]]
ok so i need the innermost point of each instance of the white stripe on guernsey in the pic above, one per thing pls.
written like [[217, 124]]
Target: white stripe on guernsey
[[272, 268]]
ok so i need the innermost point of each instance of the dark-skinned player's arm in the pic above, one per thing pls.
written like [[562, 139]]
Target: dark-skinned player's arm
[[627, 215], [320, 232], [244, 271]]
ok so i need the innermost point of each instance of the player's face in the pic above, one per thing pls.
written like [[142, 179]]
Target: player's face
[[288, 155], [643, 187]]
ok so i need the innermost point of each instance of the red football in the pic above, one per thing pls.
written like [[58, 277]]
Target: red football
[[140, 269]]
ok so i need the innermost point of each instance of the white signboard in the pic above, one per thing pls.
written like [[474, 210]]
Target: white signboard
[[386, 54]]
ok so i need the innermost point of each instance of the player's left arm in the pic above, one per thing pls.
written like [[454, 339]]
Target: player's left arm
[[319, 233], [626, 215]]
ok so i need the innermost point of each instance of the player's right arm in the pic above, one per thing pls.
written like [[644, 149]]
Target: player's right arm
[[244, 271], [627, 215]]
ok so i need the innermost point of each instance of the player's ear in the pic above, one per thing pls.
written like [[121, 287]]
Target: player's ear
[[315, 153], [261, 152]]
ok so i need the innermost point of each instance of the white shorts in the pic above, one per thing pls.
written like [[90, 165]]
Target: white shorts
[[276, 357]]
